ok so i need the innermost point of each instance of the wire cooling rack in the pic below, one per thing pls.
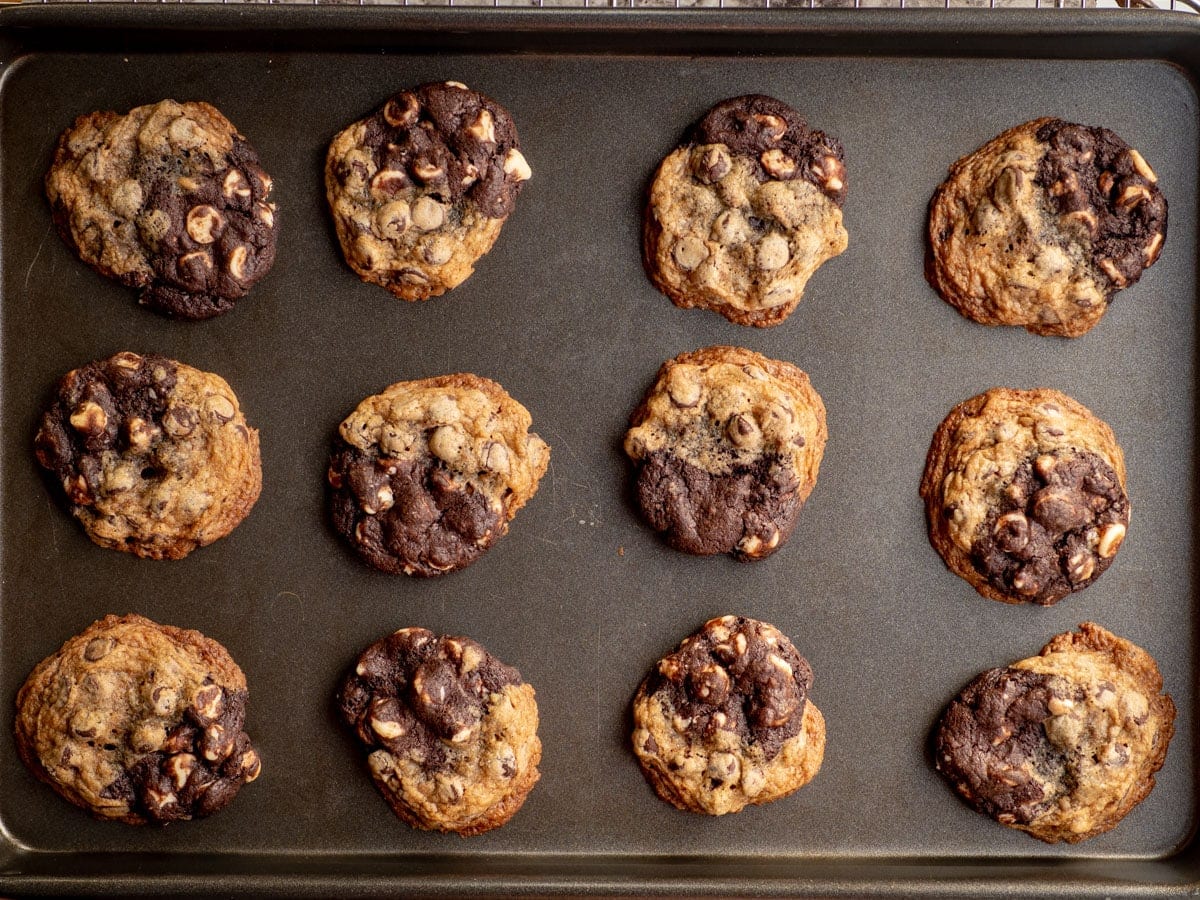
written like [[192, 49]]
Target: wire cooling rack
[[1182, 6]]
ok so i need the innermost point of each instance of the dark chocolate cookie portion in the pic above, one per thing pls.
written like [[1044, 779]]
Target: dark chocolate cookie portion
[[732, 679], [409, 516], [106, 405], [990, 743], [426, 475], [153, 456], [701, 512], [138, 722], [419, 189], [1094, 176], [452, 140], [778, 138], [1057, 528], [168, 198], [451, 731]]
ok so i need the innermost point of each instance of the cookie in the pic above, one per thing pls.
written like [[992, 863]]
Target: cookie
[[1025, 495], [138, 722], [726, 447], [450, 731], [743, 213], [420, 189], [427, 475], [153, 457], [1042, 225], [169, 199], [1064, 744], [725, 721]]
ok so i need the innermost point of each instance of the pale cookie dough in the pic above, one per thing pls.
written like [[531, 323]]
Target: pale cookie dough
[[450, 731], [725, 721], [1025, 495], [727, 445], [427, 475], [138, 722], [420, 189], [168, 198], [1042, 225], [741, 216], [154, 457], [1062, 745]]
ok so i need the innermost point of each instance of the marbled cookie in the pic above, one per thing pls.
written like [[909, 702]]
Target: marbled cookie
[[154, 457], [726, 444], [1025, 495], [725, 721], [427, 475], [138, 722], [450, 731], [167, 198], [741, 215], [1042, 225], [420, 189], [1064, 744]]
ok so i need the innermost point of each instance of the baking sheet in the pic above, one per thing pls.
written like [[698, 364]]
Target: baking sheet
[[580, 596]]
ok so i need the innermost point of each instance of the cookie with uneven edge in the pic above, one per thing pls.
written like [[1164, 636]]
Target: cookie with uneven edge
[[450, 731], [1025, 495], [138, 722], [1042, 225], [427, 475], [153, 457], [726, 446], [1064, 744], [167, 198], [420, 189], [742, 215], [726, 721]]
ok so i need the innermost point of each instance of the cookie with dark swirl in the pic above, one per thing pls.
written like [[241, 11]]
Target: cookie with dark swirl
[[726, 721], [450, 731], [1042, 225]]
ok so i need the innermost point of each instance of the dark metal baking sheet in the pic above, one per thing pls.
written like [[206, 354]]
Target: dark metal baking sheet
[[580, 596]]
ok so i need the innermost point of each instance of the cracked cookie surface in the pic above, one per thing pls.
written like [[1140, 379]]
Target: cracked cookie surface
[[427, 475], [153, 457], [742, 215], [1042, 225], [1025, 495], [450, 731], [138, 722], [725, 721], [726, 445], [420, 189], [167, 198], [1061, 745]]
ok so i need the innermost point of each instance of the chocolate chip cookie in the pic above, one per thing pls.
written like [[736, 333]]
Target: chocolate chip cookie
[[726, 445], [1064, 744], [167, 198], [725, 721], [743, 213], [1025, 495], [427, 475], [153, 457], [450, 731], [138, 722], [420, 189], [1041, 226]]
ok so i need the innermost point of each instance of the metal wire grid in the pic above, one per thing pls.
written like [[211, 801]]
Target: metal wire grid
[[1182, 6]]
